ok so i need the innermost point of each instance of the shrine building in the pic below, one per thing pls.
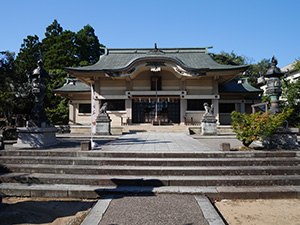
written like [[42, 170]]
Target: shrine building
[[171, 85]]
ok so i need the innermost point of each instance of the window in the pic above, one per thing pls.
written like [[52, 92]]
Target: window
[[226, 107], [153, 83], [84, 108], [197, 104], [113, 105]]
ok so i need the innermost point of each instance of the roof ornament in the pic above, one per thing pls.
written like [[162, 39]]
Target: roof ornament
[[274, 71], [274, 61], [155, 51]]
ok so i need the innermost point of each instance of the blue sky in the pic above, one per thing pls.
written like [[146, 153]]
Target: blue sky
[[256, 29]]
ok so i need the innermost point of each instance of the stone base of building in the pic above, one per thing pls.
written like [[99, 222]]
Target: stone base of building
[[103, 125], [36, 137], [284, 138]]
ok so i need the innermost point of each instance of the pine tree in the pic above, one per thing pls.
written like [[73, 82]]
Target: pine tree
[[58, 48], [88, 46]]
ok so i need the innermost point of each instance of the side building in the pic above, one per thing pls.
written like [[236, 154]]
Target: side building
[[170, 84]]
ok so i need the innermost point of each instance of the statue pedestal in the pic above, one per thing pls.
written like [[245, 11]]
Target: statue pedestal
[[36, 137], [103, 124], [283, 138], [209, 125]]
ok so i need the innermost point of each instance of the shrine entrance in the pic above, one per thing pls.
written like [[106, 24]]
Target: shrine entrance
[[163, 110]]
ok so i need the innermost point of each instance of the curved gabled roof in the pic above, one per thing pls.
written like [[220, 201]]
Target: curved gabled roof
[[238, 85], [191, 59], [73, 85]]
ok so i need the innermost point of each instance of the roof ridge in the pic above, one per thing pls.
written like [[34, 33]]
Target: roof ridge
[[167, 50]]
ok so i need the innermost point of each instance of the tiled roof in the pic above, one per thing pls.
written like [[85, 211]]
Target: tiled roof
[[188, 58], [73, 85], [238, 85]]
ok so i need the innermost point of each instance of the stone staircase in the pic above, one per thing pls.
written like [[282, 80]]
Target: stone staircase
[[88, 174]]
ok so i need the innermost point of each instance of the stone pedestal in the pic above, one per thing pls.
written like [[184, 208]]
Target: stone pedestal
[[209, 125], [283, 138], [103, 126], [36, 137]]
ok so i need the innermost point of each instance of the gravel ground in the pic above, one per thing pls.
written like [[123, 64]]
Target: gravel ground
[[154, 209]]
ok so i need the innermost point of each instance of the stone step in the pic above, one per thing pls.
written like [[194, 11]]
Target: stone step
[[99, 153], [150, 161], [157, 181], [90, 191], [151, 170]]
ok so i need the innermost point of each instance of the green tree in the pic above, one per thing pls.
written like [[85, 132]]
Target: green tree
[[30, 53], [58, 51], [56, 107], [25, 63], [229, 59], [58, 48], [7, 95], [297, 65], [291, 97], [256, 126], [254, 71], [88, 46], [257, 70]]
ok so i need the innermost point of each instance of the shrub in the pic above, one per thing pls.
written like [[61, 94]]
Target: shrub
[[257, 126]]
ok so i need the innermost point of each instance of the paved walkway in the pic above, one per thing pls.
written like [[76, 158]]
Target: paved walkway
[[156, 208], [151, 209], [158, 142]]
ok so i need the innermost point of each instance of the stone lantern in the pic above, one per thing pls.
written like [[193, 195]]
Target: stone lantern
[[38, 133], [38, 117], [273, 79], [284, 137]]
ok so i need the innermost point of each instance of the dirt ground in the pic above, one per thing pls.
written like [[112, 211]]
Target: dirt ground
[[260, 212], [44, 211]]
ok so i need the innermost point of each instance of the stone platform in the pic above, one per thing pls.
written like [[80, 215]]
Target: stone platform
[[149, 163], [36, 137]]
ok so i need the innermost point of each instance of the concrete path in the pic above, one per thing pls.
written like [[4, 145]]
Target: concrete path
[[153, 209], [158, 143]]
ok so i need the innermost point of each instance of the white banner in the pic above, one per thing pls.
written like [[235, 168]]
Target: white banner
[[93, 111]]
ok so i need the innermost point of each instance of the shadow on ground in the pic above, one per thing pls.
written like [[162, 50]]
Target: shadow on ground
[[39, 212], [131, 187]]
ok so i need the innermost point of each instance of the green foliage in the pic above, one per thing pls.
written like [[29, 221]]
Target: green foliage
[[88, 46], [256, 126], [256, 70], [30, 53], [291, 96], [6, 93], [25, 63], [266, 98], [59, 114], [56, 107], [229, 59], [59, 49], [297, 65]]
